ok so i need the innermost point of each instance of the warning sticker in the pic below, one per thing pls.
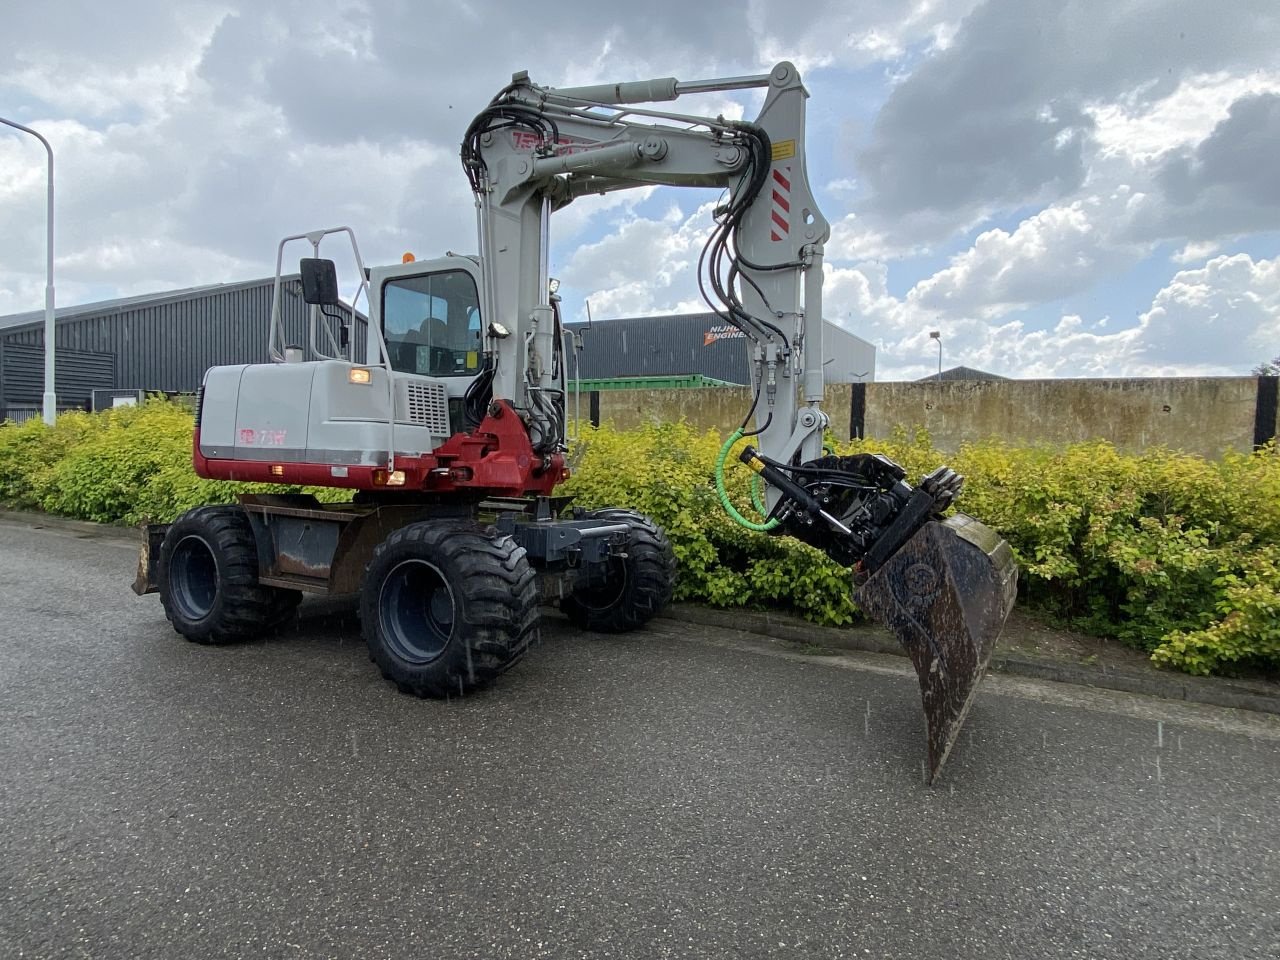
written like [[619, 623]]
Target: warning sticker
[[781, 212], [784, 150], [527, 140]]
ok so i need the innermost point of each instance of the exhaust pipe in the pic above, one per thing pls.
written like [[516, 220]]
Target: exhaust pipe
[[945, 594]]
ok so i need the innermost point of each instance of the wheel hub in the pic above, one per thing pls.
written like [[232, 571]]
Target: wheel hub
[[417, 611], [194, 578]]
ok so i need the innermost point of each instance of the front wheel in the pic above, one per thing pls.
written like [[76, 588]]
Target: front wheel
[[445, 609], [638, 585]]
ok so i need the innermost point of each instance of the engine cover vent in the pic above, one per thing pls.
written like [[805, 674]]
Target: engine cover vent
[[427, 406]]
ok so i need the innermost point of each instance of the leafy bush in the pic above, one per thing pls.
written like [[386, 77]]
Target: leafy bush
[[667, 471], [30, 453], [127, 465], [1169, 553]]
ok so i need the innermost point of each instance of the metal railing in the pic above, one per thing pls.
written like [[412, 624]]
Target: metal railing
[[277, 346]]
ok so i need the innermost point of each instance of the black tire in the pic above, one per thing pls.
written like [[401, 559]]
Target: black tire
[[639, 585], [208, 579], [445, 608]]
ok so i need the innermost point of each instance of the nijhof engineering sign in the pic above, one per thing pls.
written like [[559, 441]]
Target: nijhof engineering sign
[[722, 331]]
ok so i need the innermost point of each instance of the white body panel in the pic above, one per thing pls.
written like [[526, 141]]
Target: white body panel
[[313, 413]]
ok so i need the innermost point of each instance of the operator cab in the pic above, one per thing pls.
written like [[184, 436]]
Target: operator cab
[[431, 323]]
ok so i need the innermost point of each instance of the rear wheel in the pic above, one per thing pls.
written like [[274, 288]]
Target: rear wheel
[[208, 579], [639, 585], [445, 609]]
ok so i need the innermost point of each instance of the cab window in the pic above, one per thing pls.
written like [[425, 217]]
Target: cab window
[[432, 324]]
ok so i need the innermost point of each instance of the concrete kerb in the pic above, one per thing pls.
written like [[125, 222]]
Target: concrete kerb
[[80, 528], [865, 638], [874, 639]]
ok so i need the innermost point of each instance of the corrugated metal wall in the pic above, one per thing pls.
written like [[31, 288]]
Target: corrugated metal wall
[[163, 346], [698, 343], [662, 347], [78, 374]]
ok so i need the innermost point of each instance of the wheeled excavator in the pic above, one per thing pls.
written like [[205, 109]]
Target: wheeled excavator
[[444, 415]]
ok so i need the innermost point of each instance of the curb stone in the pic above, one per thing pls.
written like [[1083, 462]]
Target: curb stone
[[84, 529], [865, 638], [874, 639]]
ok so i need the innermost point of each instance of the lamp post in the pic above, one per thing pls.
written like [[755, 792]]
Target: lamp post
[[937, 335], [50, 397]]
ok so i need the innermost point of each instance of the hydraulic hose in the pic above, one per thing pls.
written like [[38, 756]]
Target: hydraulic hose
[[729, 508]]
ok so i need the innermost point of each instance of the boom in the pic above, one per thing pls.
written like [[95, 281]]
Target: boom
[[535, 149]]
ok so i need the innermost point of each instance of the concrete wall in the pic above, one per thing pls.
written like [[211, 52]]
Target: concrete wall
[[1203, 415], [719, 407]]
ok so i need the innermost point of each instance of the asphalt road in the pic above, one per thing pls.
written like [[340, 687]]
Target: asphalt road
[[681, 793]]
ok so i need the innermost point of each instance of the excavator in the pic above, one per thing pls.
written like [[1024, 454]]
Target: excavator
[[444, 416]]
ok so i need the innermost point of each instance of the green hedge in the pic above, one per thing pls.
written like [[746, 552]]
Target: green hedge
[[129, 465], [1172, 554]]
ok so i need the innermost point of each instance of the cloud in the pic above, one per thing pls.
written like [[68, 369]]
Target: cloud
[[1053, 254], [1194, 253], [1006, 115], [100, 61], [858, 299], [1227, 183], [854, 34], [1141, 129], [853, 241], [646, 266], [1225, 314], [1220, 319]]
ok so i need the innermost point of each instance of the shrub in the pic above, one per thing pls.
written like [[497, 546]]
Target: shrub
[[30, 453], [126, 465], [1169, 553], [667, 471]]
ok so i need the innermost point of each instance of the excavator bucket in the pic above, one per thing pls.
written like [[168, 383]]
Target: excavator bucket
[[945, 594]]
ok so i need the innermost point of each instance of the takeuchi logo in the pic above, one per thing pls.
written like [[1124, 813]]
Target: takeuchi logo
[[723, 331]]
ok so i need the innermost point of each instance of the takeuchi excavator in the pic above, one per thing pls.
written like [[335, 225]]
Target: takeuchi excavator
[[445, 416]]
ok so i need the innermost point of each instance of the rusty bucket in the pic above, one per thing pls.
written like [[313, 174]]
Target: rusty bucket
[[945, 594]]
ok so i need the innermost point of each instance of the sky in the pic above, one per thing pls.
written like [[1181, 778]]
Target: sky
[[1061, 188]]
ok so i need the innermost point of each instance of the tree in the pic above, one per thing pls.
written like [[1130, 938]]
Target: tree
[[1271, 369]]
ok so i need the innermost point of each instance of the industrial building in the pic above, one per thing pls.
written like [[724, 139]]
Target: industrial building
[[962, 373], [161, 342], [697, 348], [115, 350]]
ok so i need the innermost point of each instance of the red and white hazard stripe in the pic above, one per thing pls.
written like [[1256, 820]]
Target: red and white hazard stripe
[[781, 211]]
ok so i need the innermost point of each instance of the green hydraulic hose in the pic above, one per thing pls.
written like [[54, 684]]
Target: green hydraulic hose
[[729, 508], [757, 495]]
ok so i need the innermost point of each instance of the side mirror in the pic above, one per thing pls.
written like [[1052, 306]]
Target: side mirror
[[319, 281]]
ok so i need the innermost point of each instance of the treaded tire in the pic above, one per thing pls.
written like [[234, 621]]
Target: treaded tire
[[446, 608], [640, 585], [208, 579]]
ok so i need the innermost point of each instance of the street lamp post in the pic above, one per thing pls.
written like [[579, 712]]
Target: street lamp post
[[50, 397], [937, 335]]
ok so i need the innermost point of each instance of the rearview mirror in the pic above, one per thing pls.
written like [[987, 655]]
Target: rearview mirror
[[319, 281]]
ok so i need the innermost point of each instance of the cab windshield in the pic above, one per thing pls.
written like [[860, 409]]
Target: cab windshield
[[432, 324]]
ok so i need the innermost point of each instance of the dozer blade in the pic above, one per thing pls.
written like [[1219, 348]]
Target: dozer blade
[[945, 594]]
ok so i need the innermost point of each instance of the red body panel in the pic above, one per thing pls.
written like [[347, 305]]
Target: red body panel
[[495, 459]]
